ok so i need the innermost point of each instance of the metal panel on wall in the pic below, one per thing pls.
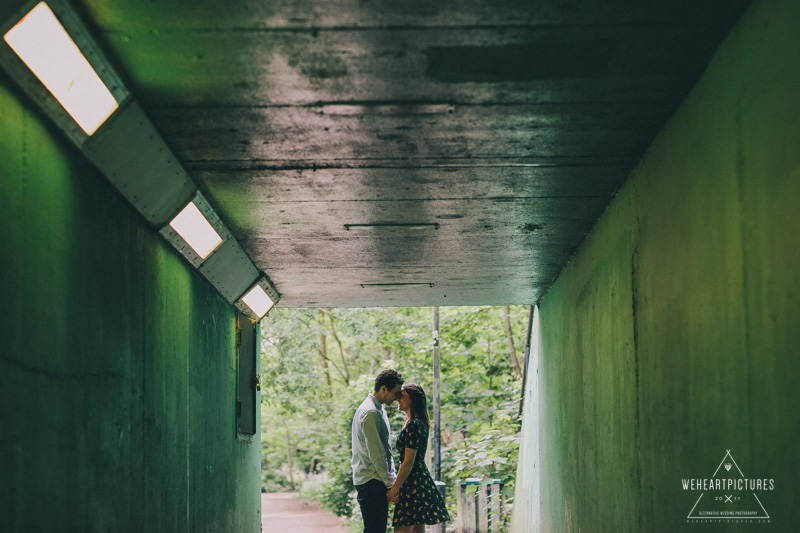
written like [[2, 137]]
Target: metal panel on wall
[[248, 384]]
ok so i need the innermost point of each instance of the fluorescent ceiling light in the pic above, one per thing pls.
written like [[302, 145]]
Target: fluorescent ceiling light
[[258, 301], [196, 230], [44, 46]]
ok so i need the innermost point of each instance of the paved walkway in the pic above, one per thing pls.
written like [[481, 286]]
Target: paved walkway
[[282, 512]]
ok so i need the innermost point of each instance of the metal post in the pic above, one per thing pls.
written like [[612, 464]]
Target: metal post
[[437, 452], [461, 507]]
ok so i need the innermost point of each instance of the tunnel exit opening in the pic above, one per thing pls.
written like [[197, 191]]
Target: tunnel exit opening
[[317, 365]]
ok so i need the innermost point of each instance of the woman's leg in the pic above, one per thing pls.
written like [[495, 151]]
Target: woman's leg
[[419, 528]]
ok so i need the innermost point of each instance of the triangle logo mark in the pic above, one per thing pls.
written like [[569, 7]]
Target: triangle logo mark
[[728, 495]]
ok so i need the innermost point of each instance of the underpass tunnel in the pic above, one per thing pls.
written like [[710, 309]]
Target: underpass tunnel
[[664, 352]]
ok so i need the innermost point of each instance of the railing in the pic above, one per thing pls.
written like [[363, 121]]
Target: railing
[[479, 504]]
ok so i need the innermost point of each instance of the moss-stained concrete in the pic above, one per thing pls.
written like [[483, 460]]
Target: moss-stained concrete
[[117, 362], [672, 335]]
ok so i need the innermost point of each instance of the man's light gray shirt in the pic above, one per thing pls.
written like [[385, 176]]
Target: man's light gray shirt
[[372, 453]]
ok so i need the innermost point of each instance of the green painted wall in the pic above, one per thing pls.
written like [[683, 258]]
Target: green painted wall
[[117, 362], [673, 334]]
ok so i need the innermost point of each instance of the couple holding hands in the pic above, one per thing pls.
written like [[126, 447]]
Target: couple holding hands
[[416, 500]]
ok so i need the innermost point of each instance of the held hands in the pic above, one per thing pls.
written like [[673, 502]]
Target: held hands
[[393, 495]]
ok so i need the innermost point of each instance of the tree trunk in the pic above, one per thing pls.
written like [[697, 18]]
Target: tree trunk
[[510, 339], [289, 457], [373, 361], [346, 374], [323, 350]]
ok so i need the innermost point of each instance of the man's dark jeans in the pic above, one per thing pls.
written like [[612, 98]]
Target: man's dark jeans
[[374, 505]]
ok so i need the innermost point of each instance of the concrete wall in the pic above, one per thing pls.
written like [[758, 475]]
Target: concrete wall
[[117, 362], [527, 490], [673, 334]]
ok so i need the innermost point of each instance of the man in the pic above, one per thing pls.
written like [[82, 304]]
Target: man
[[373, 466]]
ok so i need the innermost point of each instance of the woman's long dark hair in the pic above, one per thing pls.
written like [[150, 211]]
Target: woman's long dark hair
[[419, 405]]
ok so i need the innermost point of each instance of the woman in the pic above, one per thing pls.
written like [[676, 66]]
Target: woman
[[417, 501]]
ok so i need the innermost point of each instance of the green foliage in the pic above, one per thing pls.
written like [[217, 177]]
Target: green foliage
[[318, 365], [337, 493]]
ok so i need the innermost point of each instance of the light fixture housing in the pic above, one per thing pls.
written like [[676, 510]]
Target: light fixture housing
[[76, 55], [230, 270], [196, 230], [133, 156], [258, 299]]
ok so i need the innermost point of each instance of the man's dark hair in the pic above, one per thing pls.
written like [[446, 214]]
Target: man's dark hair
[[389, 378]]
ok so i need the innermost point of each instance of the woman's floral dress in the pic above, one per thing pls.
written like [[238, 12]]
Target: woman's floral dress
[[420, 501]]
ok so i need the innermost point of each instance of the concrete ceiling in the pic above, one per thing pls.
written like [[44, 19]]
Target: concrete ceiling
[[410, 153]]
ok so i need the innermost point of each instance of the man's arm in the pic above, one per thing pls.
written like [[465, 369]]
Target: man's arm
[[375, 450]]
